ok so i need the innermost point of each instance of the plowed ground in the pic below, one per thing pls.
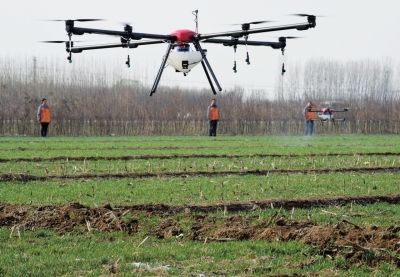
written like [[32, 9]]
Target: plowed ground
[[358, 244]]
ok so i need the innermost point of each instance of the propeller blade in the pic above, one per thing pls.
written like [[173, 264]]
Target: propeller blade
[[304, 14], [254, 22], [53, 41], [292, 37], [83, 20], [259, 22], [80, 20], [299, 14], [124, 23], [289, 37], [58, 41]]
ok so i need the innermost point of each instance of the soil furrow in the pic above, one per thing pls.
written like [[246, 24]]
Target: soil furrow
[[189, 156], [27, 177]]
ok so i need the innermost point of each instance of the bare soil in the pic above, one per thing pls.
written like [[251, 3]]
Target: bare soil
[[357, 243]]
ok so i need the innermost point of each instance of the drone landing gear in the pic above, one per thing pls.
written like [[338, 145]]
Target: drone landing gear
[[205, 63], [160, 71], [208, 78]]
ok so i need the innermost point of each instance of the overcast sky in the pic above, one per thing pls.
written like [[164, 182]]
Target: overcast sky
[[349, 30]]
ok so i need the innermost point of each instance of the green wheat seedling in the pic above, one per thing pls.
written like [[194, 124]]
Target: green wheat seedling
[[182, 171]]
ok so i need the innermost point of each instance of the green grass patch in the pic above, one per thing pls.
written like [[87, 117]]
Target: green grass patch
[[91, 252]]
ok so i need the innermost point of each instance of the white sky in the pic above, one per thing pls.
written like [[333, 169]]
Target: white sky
[[349, 30]]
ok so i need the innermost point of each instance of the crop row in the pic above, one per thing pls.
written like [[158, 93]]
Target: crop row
[[63, 166]]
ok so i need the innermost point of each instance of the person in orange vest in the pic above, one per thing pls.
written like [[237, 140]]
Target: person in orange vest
[[44, 117], [213, 117], [309, 116]]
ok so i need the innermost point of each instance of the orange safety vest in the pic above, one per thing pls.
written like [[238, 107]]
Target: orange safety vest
[[311, 115], [214, 114], [45, 116]]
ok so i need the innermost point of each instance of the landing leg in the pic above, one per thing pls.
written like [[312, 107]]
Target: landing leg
[[160, 71], [198, 48]]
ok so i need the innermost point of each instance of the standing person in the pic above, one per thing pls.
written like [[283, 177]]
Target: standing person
[[213, 117], [309, 116], [44, 117]]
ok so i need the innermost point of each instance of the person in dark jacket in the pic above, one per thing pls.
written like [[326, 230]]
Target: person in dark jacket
[[44, 117], [213, 117]]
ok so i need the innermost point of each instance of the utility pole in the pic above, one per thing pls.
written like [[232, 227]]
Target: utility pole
[[34, 76], [34, 70]]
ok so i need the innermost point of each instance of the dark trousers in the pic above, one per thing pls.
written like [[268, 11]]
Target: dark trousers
[[43, 131], [213, 128], [309, 127]]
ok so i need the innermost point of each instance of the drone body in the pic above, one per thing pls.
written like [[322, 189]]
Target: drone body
[[179, 53], [183, 36], [327, 114], [183, 58]]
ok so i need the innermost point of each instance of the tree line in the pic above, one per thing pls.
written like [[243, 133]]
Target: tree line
[[97, 100]]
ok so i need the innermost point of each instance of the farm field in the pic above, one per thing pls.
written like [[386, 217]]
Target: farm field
[[200, 206]]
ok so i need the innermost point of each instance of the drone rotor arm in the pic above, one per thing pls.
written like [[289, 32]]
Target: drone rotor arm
[[241, 33], [340, 111], [131, 35], [130, 45], [227, 42]]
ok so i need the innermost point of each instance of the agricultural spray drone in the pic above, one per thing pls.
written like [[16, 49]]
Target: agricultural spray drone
[[179, 54], [327, 114]]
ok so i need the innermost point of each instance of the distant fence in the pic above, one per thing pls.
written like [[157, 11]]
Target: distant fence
[[74, 127]]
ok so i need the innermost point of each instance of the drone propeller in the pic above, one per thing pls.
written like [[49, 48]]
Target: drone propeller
[[80, 20], [122, 23], [254, 22], [58, 41], [299, 14], [304, 14], [292, 37], [246, 26], [283, 39], [68, 43]]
